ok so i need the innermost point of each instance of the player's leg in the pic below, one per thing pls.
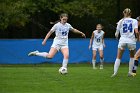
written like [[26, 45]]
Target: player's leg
[[117, 61], [65, 52], [101, 57], [131, 61], [94, 58], [121, 47], [132, 49], [136, 62], [51, 53]]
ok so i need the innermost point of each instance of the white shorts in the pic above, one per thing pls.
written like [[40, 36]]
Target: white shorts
[[95, 47], [60, 43], [130, 46]]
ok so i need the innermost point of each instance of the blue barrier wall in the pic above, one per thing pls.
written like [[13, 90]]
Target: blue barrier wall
[[16, 51]]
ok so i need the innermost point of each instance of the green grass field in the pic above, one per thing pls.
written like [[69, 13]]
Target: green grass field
[[44, 78]]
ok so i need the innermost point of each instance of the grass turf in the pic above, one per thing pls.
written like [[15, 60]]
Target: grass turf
[[44, 78]]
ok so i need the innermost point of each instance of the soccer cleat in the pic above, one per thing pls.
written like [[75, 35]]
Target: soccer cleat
[[101, 66], [94, 68], [113, 75], [134, 74], [131, 74], [33, 53]]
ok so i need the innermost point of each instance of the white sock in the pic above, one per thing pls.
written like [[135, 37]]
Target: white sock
[[136, 62], [65, 62], [93, 63], [135, 67], [131, 64], [101, 61], [116, 65], [42, 54]]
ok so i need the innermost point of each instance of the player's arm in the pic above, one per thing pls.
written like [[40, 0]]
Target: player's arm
[[117, 32], [78, 32], [91, 40], [118, 29], [47, 36], [137, 34], [103, 40]]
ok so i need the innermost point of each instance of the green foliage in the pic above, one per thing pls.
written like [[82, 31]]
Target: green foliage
[[81, 7], [18, 12], [76, 7], [15, 12]]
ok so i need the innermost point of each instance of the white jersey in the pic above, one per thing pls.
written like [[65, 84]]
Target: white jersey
[[61, 30], [126, 28], [98, 37]]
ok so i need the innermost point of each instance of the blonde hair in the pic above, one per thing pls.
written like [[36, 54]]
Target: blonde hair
[[138, 18], [127, 12]]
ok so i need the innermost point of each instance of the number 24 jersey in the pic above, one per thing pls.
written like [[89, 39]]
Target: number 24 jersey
[[126, 28]]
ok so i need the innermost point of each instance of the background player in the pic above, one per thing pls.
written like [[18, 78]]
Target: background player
[[60, 41], [127, 27], [97, 42], [137, 55]]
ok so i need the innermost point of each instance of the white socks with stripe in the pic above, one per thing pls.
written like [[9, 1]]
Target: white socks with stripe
[[94, 63], [131, 65], [42, 54], [65, 62], [116, 66]]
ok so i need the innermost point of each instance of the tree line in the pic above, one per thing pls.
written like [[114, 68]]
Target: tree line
[[31, 18]]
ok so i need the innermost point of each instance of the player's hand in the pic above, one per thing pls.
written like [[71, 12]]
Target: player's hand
[[89, 46], [44, 43], [83, 35]]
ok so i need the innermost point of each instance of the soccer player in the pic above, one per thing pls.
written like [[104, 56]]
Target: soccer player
[[97, 42], [137, 55], [60, 41], [128, 29]]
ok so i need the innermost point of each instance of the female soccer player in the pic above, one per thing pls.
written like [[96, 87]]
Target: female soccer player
[[127, 27], [137, 55], [60, 41], [97, 42]]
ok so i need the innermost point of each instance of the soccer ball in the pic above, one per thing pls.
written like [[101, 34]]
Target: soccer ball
[[63, 70]]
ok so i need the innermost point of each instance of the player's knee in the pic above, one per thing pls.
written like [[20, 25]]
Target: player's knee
[[50, 56], [66, 57], [101, 57], [94, 56], [136, 57]]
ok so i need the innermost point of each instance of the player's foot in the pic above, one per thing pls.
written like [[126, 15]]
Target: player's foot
[[101, 67], [134, 74], [113, 75], [131, 74], [94, 68], [33, 53]]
